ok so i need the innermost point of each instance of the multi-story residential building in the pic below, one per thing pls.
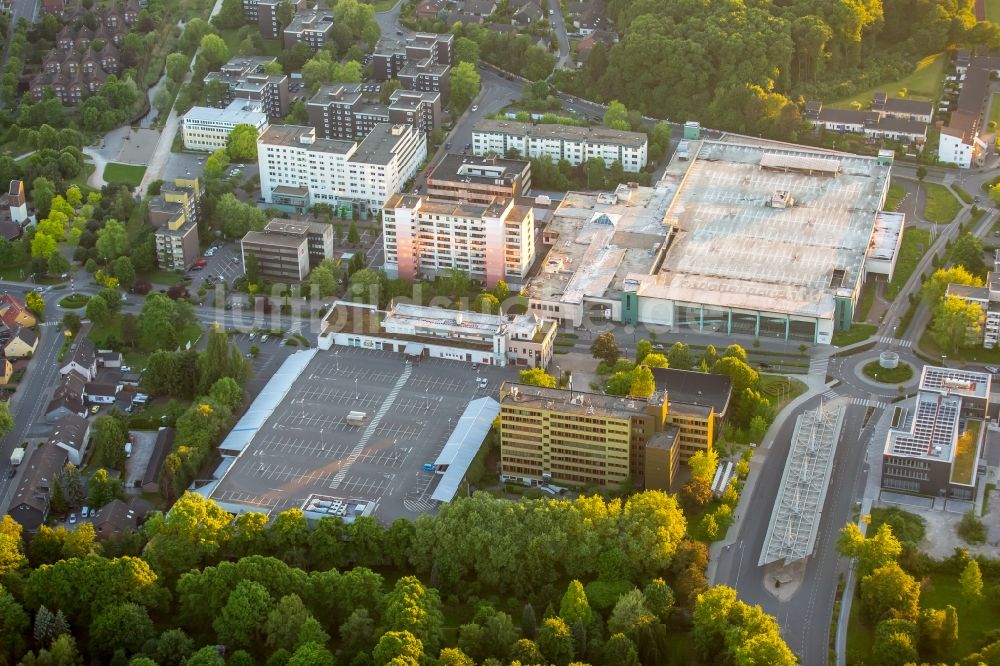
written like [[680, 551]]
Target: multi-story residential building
[[265, 14], [986, 331], [576, 145], [478, 180], [346, 111], [83, 58], [245, 78], [573, 437], [960, 142], [174, 216], [491, 242], [391, 57], [310, 27], [426, 331], [208, 129], [936, 451], [425, 75], [698, 404], [298, 170]]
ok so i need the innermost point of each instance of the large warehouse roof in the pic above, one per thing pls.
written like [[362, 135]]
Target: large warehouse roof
[[768, 227]]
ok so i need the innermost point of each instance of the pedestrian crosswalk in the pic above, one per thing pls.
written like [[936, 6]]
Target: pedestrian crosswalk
[[861, 402], [889, 340], [819, 366]]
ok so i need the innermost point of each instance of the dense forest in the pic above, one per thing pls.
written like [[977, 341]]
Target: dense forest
[[741, 65], [492, 582]]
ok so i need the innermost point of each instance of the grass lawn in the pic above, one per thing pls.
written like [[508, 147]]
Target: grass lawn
[[973, 621], [780, 390], [272, 47], [914, 245], [993, 10], [924, 83], [73, 301], [995, 103], [865, 300], [129, 174], [941, 206], [961, 193], [857, 333], [901, 373], [971, 355], [169, 278], [384, 5], [15, 273], [894, 197], [861, 635]]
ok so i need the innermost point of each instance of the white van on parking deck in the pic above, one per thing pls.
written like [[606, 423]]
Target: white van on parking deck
[[356, 418]]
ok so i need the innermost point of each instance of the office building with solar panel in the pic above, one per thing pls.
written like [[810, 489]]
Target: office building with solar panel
[[936, 445]]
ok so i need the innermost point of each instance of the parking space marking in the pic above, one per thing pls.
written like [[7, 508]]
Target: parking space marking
[[321, 395], [392, 458], [398, 430], [300, 447], [345, 373], [434, 383], [426, 406], [240, 497], [357, 484]]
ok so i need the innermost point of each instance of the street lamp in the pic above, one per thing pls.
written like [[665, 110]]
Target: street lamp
[[357, 396]]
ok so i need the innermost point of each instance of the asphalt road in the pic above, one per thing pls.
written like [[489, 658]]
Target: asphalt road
[[559, 27]]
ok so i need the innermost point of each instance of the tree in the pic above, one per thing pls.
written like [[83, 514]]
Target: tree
[[58, 264], [206, 656], [6, 419], [112, 240], [216, 162], [555, 641], [214, 50], [410, 607], [43, 191], [652, 526], [526, 651], [324, 280], [727, 629], [244, 614], [466, 50], [177, 63], [605, 348], [921, 172], [679, 356], [464, 85], [284, 622], [124, 271], [49, 625], [871, 553], [967, 251], [237, 218], [104, 489], [537, 377], [890, 592], [353, 237], [616, 117], [43, 246], [957, 324], [895, 643], [529, 624], [120, 626], [595, 169], [357, 633], [971, 581], [395, 645], [642, 382], [659, 598], [620, 650], [703, 465], [487, 303], [936, 286], [574, 606], [242, 143], [97, 310], [643, 348], [741, 374], [656, 361], [109, 441], [311, 654]]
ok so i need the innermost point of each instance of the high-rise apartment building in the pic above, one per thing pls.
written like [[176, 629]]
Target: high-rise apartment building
[[349, 111], [567, 436], [245, 78], [297, 169], [491, 242]]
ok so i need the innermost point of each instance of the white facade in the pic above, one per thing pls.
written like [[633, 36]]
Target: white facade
[[335, 171], [208, 129], [956, 150], [490, 243], [562, 142]]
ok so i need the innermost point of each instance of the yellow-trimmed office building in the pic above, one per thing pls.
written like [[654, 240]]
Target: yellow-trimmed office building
[[573, 437]]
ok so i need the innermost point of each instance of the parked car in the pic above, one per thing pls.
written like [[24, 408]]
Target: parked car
[[85, 512], [72, 519], [95, 409], [992, 369]]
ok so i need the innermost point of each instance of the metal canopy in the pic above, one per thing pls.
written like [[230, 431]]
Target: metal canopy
[[791, 534], [463, 445]]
